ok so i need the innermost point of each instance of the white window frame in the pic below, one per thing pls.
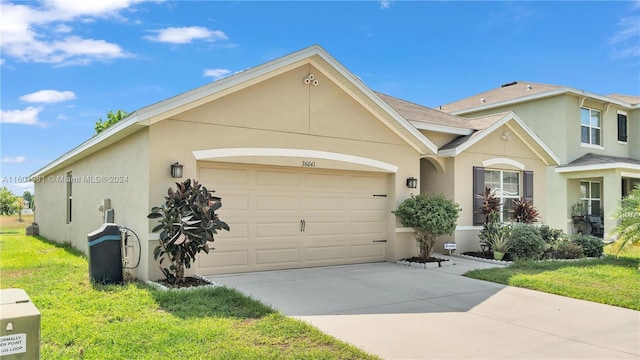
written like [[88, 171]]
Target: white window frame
[[588, 199], [591, 126], [499, 193]]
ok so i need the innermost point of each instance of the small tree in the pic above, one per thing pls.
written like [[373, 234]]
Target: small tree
[[9, 204], [627, 232], [430, 216], [112, 118], [188, 221], [27, 196]]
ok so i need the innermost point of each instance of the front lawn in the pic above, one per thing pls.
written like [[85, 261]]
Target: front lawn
[[612, 281], [135, 321]]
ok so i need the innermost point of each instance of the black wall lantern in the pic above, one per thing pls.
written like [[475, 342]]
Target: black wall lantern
[[176, 170], [412, 183]]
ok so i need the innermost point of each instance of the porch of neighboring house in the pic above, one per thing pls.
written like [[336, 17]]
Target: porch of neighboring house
[[597, 182]]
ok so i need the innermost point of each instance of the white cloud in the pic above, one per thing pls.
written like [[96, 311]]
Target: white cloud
[[28, 116], [13, 160], [625, 42], [62, 28], [216, 73], [385, 4], [27, 36], [184, 35], [48, 96]]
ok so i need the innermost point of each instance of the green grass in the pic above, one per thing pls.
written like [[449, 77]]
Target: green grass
[[135, 321], [612, 280]]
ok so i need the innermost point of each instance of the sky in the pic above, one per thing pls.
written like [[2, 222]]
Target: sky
[[64, 64]]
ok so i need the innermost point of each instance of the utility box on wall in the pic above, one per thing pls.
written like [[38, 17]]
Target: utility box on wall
[[19, 326]]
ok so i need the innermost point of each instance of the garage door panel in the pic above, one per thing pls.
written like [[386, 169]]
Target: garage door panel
[[326, 203], [371, 227], [278, 203], [234, 203], [371, 251], [224, 259], [325, 228], [278, 229], [278, 179], [368, 184], [227, 178], [330, 182], [239, 231], [317, 254], [367, 204], [284, 256]]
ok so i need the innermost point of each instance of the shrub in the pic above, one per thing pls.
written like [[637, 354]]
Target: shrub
[[490, 206], [566, 249], [524, 211], [188, 221], [549, 235], [430, 216], [526, 242], [591, 245], [493, 228]]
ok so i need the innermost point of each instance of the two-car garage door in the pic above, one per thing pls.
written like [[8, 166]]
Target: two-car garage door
[[284, 217]]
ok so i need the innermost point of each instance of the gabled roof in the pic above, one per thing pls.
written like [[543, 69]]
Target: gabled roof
[[491, 123], [519, 91], [590, 161], [634, 100], [425, 118], [191, 99]]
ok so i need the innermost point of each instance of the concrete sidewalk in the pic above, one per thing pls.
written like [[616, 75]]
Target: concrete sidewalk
[[400, 312]]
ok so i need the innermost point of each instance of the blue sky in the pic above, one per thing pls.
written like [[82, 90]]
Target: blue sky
[[65, 63]]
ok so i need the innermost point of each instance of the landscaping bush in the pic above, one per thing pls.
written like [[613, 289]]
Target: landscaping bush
[[526, 242], [566, 249], [591, 245], [550, 235], [524, 211], [491, 229], [430, 216]]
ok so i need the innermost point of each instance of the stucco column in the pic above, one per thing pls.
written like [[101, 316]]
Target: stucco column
[[611, 195]]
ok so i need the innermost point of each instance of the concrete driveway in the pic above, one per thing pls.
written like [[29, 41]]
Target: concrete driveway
[[399, 312]]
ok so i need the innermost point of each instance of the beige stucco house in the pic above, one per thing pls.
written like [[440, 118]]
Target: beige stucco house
[[596, 139], [309, 163]]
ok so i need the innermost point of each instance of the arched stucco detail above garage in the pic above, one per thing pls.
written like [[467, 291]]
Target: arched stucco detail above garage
[[295, 157]]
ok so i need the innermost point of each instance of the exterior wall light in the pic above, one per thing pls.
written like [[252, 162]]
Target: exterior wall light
[[176, 170], [412, 183]]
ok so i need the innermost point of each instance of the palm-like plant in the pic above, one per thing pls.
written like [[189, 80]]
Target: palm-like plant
[[627, 232]]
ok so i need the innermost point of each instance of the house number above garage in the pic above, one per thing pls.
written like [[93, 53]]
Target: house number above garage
[[306, 163]]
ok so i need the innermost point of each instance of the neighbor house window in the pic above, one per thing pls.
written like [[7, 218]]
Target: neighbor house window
[[590, 195], [69, 193], [590, 126], [505, 185], [622, 127]]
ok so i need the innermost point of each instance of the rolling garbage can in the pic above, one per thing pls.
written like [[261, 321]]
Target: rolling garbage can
[[19, 326], [105, 255]]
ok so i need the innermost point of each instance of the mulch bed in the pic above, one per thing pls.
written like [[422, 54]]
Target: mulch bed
[[429, 260], [188, 282], [486, 255]]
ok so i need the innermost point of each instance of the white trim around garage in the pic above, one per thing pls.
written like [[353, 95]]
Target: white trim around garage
[[298, 153]]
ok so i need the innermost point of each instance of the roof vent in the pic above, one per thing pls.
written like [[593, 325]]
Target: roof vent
[[509, 84], [483, 100], [529, 87]]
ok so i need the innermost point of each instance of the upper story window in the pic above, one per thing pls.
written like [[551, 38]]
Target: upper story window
[[622, 127], [590, 126]]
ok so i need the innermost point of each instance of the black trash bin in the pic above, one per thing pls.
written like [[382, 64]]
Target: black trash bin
[[105, 255]]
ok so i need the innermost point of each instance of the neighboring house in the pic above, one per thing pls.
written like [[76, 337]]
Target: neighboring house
[[596, 138], [309, 163]]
